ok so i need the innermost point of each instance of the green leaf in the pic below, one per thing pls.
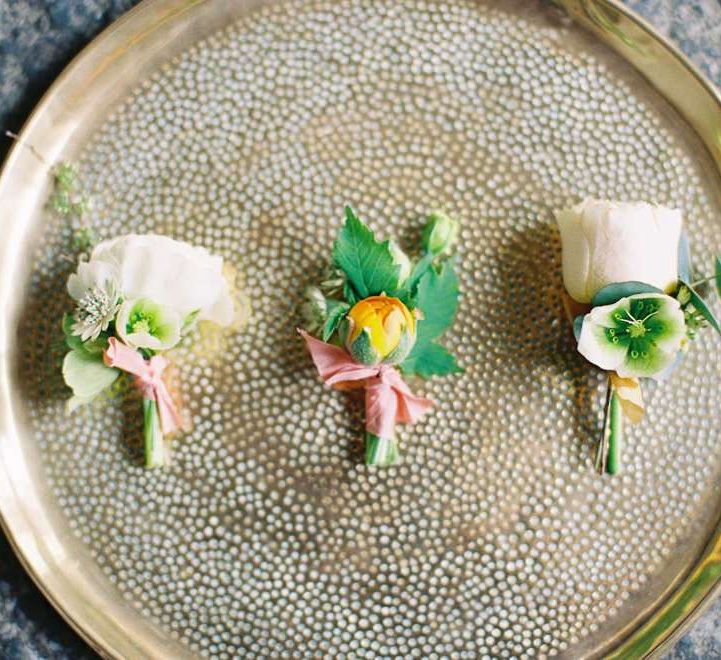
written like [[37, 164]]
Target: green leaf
[[86, 374], [437, 299], [612, 293], [76, 344], [700, 305], [336, 313], [367, 263], [73, 341], [350, 294], [431, 360], [685, 266], [189, 322], [419, 270], [717, 273], [577, 325]]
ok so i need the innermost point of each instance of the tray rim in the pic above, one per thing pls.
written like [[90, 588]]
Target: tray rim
[[683, 85]]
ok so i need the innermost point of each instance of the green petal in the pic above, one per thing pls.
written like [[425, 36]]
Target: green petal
[[644, 359], [86, 374], [667, 327], [362, 350]]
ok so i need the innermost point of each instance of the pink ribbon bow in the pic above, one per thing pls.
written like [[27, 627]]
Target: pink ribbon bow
[[388, 399], [149, 379]]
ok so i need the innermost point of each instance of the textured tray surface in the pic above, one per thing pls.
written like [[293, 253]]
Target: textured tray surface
[[493, 536]]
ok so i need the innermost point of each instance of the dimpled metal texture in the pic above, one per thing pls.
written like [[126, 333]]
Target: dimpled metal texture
[[493, 537]]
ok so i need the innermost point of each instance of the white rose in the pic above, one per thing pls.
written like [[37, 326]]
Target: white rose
[[610, 242], [173, 274]]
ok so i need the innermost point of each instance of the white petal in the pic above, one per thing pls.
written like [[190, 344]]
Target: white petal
[[171, 273], [575, 255], [596, 348], [634, 242], [91, 274], [86, 374]]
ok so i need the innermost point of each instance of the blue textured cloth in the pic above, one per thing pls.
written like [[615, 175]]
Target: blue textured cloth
[[37, 39]]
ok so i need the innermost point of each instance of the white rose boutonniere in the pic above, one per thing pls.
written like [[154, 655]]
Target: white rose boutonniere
[[631, 287]]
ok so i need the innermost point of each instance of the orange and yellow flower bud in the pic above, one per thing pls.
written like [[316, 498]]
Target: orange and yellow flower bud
[[380, 329]]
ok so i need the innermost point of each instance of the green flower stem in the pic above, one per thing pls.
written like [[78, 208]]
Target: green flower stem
[[608, 453], [380, 451], [693, 285], [153, 435], [615, 435]]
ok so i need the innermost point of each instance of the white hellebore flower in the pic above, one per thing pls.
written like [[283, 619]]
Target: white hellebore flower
[[95, 287], [612, 242], [142, 323]]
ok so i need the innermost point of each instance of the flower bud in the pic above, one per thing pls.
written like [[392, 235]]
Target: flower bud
[[314, 309], [440, 233], [683, 296], [401, 259], [380, 329]]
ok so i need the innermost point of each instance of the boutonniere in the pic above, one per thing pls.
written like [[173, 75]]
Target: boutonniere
[[634, 301], [135, 298], [379, 314]]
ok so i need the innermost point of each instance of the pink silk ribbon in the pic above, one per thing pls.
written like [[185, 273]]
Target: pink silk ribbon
[[388, 399], [149, 379]]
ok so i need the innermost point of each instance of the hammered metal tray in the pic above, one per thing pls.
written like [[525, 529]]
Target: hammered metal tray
[[246, 126]]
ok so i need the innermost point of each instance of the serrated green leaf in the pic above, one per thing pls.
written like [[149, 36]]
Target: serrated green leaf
[[717, 273], [437, 300], [700, 305], [336, 313], [367, 263], [432, 360], [612, 293], [86, 374], [419, 270]]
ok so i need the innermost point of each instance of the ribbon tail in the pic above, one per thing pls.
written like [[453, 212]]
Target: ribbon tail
[[411, 408], [630, 395], [170, 418]]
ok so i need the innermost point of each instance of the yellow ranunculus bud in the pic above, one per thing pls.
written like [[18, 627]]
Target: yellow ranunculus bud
[[380, 329]]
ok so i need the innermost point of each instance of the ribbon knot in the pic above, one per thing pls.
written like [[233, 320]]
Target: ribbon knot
[[389, 400], [148, 377]]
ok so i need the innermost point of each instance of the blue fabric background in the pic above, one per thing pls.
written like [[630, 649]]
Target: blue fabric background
[[37, 39]]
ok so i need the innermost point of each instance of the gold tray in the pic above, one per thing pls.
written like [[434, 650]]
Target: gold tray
[[246, 126]]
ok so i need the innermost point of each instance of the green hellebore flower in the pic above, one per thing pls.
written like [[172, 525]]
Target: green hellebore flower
[[141, 323], [440, 234], [637, 337]]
